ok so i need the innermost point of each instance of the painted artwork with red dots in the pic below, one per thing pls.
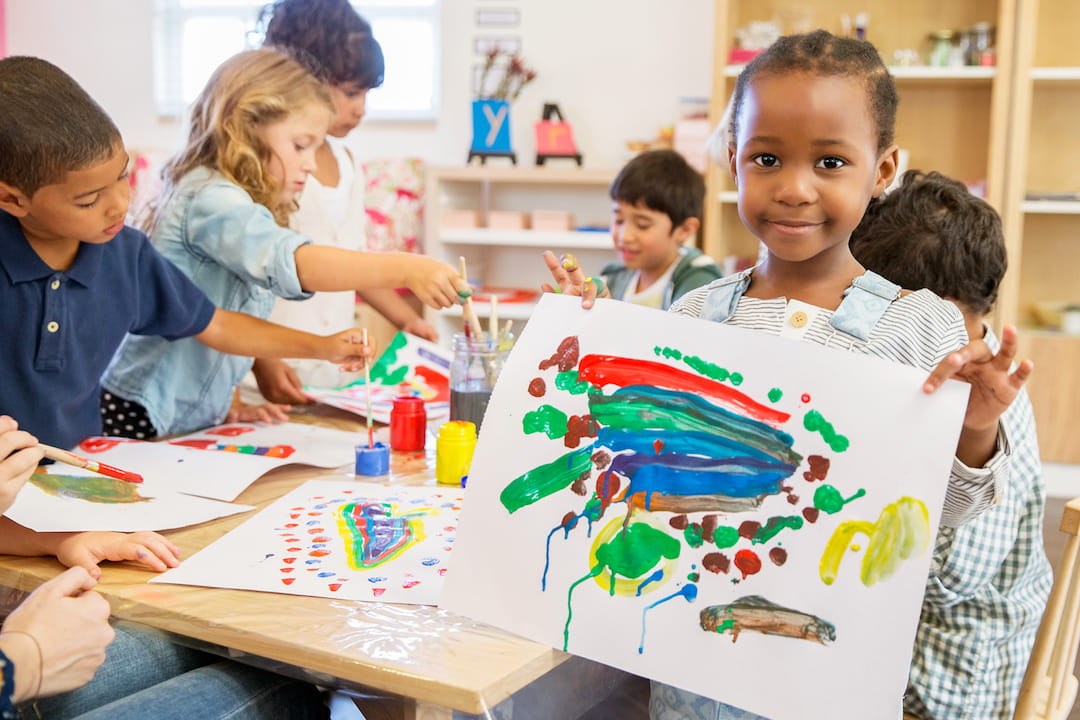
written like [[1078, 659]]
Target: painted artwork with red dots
[[288, 442], [724, 511], [337, 539]]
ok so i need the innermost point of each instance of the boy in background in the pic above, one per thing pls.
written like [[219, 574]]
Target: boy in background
[[989, 578], [657, 201]]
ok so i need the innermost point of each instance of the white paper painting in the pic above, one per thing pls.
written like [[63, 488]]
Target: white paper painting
[[743, 516], [285, 443], [409, 366], [337, 539]]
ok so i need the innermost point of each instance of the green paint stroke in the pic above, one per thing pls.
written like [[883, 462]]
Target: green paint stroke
[[547, 419], [668, 352], [545, 480], [692, 533], [383, 371], [814, 422], [774, 525], [706, 368], [828, 499], [775, 394], [569, 382], [725, 536], [92, 488]]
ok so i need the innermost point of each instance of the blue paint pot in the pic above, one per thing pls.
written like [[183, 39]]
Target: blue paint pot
[[373, 461]]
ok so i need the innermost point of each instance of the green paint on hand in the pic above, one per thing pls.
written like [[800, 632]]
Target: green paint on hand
[[814, 422], [547, 419], [775, 394]]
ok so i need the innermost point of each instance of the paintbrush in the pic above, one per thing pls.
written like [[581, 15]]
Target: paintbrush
[[467, 310], [367, 389], [493, 323], [63, 456]]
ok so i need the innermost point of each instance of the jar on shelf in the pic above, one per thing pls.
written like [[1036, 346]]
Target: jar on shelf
[[982, 45], [474, 369], [941, 45]]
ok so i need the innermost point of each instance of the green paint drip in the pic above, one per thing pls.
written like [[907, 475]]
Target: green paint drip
[[775, 394], [725, 536], [569, 382], [545, 419], [597, 569], [828, 499], [545, 480], [692, 533], [774, 525], [814, 422]]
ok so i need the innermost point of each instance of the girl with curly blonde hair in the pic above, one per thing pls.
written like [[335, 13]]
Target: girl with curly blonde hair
[[223, 219]]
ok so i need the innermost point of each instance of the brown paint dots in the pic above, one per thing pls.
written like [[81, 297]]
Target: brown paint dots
[[600, 459], [819, 468], [778, 555], [708, 527], [810, 513], [716, 562], [679, 522], [537, 387], [749, 529], [566, 357], [569, 520], [607, 487], [579, 487], [748, 562], [793, 499], [577, 427]]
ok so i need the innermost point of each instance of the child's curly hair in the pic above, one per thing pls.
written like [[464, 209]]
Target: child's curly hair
[[246, 93]]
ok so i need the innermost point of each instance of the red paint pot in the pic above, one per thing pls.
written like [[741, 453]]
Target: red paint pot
[[408, 423]]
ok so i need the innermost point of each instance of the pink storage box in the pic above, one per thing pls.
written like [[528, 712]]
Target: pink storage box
[[507, 220], [552, 220], [460, 218]]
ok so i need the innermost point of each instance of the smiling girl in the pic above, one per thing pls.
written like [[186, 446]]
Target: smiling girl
[[223, 219]]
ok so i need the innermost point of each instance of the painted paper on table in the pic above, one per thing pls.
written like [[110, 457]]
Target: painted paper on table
[[69, 499], [409, 366], [286, 443], [744, 516], [337, 539]]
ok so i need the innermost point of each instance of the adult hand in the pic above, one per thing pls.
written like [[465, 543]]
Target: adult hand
[[57, 637]]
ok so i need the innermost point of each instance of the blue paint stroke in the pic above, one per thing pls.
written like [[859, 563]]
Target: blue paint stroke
[[688, 591]]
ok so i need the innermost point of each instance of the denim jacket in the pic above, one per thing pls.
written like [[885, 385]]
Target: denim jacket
[[232, 248]]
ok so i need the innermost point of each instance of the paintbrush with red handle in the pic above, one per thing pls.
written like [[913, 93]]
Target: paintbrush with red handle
[[63, 456]]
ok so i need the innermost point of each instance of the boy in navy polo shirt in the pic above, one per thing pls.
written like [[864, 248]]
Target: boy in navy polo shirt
[[75, 280]]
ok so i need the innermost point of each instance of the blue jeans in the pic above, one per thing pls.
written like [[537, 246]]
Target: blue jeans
[[670, 703], [147, 676]]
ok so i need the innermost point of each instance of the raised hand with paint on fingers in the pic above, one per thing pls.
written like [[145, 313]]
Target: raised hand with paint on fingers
[[570, 279]]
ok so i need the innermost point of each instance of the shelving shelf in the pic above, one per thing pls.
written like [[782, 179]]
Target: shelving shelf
[[1055, 73], [571, 239], [1051, 207], [507, 311]]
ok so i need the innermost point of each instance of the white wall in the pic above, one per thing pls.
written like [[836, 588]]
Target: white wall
[[617, 68]]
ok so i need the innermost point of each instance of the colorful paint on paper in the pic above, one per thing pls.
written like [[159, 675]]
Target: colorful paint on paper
[[91, 488]]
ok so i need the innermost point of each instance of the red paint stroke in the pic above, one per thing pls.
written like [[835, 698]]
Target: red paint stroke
[[294, 549], [287, 569], [231, 431], [442, 571], [288, 560], [565, 357], [377, 591], [805, 397], [819, 468], [436, 381], [319, 552], [537, 387], [198, 444], [658, 446], [96, 445], [748, 562], [410, 583], [334, 587], [288, 581], [610, 370]]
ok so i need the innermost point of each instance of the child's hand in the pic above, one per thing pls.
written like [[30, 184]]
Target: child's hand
[[19, 456], [278, 382], [994, 385], [70, 623], [421, 328], [347, 349], [571, 280], [87, 549], [267, 412], [436, 284]]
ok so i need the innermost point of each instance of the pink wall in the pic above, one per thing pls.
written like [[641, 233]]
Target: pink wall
[[3, 30]]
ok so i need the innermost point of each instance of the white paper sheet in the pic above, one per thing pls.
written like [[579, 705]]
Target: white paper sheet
[[284, 443], [832, 466], [337, 539]]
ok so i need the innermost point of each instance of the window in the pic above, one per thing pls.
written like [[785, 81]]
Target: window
[[195, 36]]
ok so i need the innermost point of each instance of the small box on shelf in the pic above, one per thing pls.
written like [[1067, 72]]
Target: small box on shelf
[[552, 220], [507, 220], [460, 218]]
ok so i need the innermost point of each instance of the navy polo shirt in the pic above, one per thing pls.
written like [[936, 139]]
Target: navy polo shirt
[[59, 330]]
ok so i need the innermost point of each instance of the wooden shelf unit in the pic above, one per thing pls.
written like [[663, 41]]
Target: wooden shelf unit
[[1042, 236], [950, 119], [512, 258]]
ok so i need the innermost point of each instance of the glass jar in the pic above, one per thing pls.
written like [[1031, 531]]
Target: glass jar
[[941, 47], [982, 44], [473, 371]]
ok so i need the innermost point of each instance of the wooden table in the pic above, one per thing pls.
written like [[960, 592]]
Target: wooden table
[[434, 662]]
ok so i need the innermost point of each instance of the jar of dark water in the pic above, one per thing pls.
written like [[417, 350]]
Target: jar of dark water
[[473, 372]]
